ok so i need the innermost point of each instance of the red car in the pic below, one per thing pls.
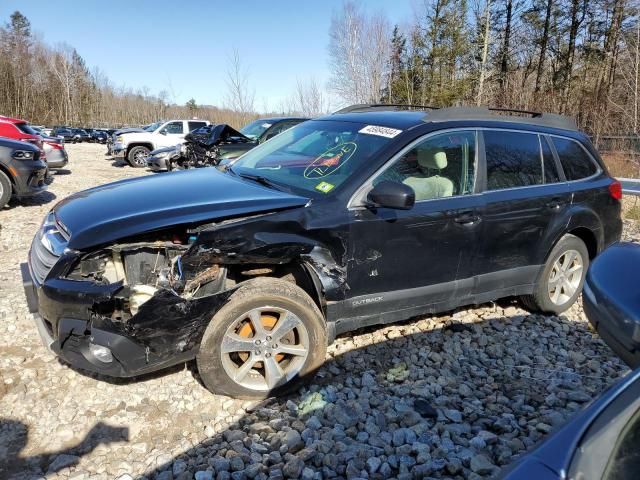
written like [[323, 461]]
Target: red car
[[17, 129]]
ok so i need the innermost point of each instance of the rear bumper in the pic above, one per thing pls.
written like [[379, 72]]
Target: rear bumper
[[57, 160], [157, 164]]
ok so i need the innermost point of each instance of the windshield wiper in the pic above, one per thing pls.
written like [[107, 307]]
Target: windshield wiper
[[258, 179]]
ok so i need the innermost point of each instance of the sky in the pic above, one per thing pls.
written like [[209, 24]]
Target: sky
[[183, 46]]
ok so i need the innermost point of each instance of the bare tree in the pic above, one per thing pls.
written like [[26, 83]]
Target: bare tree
[[309, 99], [359, 47], [485, 51], [240, 97]]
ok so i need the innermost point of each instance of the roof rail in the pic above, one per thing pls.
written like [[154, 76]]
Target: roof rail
[[544, 119], [373, 106]]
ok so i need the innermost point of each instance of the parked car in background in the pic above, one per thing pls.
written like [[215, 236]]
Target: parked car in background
[[601, 442], [119, 131], [17, 129], [56, 154], [64, 133], [213, 144], [97, 135], [22, 172], [80, 135], [135, 147], [371, 215]]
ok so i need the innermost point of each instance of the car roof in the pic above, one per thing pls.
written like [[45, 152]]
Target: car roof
[[407, 116], [11, 120], [386, 118]]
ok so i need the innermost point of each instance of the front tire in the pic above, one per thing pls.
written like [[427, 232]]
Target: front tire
[[5, 189], [560, 282], [266, 337], [137, 156]]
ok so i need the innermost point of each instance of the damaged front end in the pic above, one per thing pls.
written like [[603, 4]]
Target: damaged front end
[[130, 308]]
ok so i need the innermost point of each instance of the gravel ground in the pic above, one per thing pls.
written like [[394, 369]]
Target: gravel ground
[[453, 396]]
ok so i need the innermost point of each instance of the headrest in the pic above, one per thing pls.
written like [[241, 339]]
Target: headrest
[[432, 159]]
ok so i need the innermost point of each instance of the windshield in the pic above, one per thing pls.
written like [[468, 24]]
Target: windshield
[[255, 129], [153, 127], [315, 156]]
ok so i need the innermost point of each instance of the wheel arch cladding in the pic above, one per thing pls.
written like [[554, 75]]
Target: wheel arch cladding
[[589, 239]]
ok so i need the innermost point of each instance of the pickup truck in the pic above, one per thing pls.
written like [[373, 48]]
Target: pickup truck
[[134, 147]]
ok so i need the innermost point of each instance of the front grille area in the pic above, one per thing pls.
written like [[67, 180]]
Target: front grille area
[[41, 260]]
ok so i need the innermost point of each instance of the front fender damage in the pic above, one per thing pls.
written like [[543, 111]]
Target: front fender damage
[[170, 288]]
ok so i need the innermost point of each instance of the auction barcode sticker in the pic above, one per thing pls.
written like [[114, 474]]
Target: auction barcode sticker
[[380, 131]]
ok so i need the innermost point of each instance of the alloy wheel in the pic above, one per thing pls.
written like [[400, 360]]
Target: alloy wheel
[[265, 348], [565, 277], [140, 158]]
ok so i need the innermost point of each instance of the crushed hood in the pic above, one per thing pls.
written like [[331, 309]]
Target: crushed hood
[[216, 134], [130, 207]]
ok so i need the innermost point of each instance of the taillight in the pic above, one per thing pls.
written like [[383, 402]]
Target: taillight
[[56, 146], [615, 189]]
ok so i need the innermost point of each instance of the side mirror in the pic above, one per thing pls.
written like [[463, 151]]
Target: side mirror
[[394, 195], [163, 131]]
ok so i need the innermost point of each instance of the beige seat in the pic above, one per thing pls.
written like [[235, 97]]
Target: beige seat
[[426, 184]]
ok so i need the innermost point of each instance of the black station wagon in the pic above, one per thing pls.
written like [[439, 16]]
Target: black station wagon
[[371, 215]]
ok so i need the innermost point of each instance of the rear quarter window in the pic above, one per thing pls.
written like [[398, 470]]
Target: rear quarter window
[[576, 163]]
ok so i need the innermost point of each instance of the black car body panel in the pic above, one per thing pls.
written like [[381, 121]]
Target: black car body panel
[[362, 265], [28, 177]]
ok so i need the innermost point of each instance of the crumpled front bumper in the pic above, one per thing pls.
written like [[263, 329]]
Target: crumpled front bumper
[[62, 315], [118, 150]]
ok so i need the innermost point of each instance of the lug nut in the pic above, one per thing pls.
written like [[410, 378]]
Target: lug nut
[[268, 338], [257, 342], [267, 355]]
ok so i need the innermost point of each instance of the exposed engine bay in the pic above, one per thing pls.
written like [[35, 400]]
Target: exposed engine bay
[[144, 269]]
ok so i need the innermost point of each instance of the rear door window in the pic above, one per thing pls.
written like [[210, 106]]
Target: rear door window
[[195, 125], [513, 159], [576, 162]]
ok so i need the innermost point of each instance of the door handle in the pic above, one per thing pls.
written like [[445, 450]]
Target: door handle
[[467, 218]]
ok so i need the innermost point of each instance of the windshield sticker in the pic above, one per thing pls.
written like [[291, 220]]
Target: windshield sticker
[[380, 131], [330, 161], [266, 125], [325, 187]]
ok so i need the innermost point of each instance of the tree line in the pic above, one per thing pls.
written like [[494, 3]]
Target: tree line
[[52, 85], [575, 57]]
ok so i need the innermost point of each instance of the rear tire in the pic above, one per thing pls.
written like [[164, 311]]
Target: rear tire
[[137, 156], [5, 189], [240, 360], [560, 282]]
